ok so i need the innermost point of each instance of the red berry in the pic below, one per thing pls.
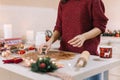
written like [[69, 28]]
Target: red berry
[[117, 35], [31, 48], [21, 52], [42, 65]]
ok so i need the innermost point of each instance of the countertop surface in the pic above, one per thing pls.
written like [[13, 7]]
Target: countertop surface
[[95, 65]]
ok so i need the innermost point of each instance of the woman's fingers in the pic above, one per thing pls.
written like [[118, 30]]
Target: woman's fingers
[[77, 44], [44, 48], [72, 40], [77, 41], [47, 49], [40, 48], [81, 44]]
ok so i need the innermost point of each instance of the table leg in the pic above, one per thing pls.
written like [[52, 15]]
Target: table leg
[[105, 75]]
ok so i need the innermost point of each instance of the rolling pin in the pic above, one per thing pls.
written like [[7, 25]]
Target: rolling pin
[[82, 61]]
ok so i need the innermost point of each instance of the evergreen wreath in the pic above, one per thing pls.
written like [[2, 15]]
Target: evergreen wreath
[[44, 65]]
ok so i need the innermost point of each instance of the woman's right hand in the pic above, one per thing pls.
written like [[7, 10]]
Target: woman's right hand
[[45, 46]]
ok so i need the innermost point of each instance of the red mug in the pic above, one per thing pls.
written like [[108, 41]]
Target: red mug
[[105, 51]]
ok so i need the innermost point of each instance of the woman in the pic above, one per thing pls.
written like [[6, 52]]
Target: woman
[[79, 24]]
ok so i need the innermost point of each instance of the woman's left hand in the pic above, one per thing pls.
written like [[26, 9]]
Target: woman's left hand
[[77, 41]]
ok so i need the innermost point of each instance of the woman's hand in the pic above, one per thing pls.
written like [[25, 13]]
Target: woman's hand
[[77, 41], [46, 46]]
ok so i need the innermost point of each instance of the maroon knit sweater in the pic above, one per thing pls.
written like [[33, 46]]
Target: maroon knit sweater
[[79, 16]]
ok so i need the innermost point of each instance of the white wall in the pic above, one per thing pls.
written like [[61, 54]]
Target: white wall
[[40, 15], [24, 15], [27, 18], [113, 13], [33, 3]]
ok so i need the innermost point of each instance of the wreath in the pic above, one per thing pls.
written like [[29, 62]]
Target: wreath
[[44, 65]]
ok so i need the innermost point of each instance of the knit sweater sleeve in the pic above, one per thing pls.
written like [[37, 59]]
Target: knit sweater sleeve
[[98, 13], [58, 25]]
